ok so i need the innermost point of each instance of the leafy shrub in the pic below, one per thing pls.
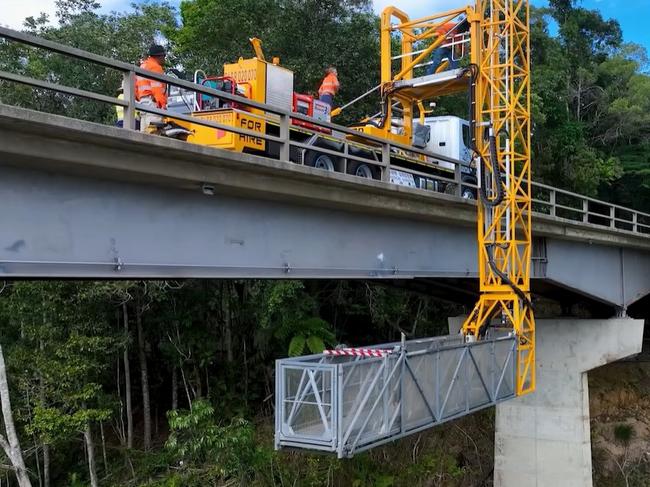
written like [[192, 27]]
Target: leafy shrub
[[196, 438], [623, 433]]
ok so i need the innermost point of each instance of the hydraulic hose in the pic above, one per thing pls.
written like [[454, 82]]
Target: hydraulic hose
[[520, 294], [382, 120], [494, 163], [473, 71]]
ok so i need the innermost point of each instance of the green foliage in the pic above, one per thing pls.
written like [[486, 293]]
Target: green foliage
[[62, 351], [367, 474], [623, 433], [307, 35], [300, 327], [196, 437]]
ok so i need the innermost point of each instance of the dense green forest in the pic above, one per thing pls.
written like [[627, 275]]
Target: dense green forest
[[171, 383]]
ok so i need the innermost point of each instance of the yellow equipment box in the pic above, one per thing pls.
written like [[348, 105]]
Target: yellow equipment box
[[223, 139]]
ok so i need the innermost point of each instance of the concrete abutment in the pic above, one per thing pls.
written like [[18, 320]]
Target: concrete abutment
[[543, 439]]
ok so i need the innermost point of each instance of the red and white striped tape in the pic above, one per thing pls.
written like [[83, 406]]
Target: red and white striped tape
[[358, 352]]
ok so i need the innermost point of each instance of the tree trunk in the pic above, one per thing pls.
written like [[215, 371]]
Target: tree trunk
[[187, 389], [174, 388], [90, 450], [197, 378], [144, 377], [245, 373], [120, 428], [38, 463], [10, 444], [227, 317], [101, 429], [46, 448], [127, 382], [207, 382], [46, 465]]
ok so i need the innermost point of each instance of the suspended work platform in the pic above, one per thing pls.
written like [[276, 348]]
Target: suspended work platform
[[351, 400]]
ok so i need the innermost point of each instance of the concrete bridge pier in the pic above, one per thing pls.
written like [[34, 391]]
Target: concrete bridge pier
[[543, 439]]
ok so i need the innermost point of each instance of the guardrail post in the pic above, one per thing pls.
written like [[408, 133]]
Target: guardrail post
[[458, 177], [285, 147], [585, 211], [129, 97], [612, 217], [552, 202], [635, 222], [385, 159]]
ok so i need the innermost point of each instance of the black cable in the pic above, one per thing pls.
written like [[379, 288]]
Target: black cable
[[506, 279], [496, 173]]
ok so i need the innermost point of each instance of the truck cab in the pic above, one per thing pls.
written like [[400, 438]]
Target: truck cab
[[448, 136]]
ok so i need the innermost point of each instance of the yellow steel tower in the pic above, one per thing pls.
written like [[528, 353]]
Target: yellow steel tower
[[499, 75], [500, 50]]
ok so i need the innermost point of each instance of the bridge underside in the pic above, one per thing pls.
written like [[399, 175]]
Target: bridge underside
[[69, 226]]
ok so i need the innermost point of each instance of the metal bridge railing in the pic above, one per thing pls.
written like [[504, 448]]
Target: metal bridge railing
[[574, 207], [348, 404], [377, 152]]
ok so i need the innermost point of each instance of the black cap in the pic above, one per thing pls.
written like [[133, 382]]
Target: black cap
[[157, 50]]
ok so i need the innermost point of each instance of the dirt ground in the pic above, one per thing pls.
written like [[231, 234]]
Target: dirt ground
[[620, 423]]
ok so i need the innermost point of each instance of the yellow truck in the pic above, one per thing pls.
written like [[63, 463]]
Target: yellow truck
[[269, 83]]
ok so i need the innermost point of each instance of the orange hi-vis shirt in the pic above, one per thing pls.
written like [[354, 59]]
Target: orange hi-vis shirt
[[150, 87], [330, 85], [444, 29]]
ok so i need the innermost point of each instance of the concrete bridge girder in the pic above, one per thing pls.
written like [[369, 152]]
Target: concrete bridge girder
[[88, 201]]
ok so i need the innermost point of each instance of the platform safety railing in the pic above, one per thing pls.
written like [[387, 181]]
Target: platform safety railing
[[384, 154], [348, 404]]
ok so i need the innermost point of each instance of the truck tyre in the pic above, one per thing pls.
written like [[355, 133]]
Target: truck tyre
[[467, 192], [320, 161], [363, 170]]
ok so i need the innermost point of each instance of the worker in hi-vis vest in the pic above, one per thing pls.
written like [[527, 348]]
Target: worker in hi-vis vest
[[329, 87], [152, 92], [445, 52]]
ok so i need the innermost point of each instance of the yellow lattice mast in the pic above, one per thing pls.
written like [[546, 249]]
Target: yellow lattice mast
[[500, 50], [499, 75]]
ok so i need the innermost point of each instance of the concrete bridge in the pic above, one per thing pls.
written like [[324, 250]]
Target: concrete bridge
[[87, 201]]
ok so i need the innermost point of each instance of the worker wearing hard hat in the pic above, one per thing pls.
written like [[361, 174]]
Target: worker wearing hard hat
[[329, 87], [448, 30], [152, 92]]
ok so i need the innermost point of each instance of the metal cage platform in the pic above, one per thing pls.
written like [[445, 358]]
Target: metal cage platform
[[348, 404]]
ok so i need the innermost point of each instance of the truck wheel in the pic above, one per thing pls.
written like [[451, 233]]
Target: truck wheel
[[449, 188], [363, 170], [320, 161], [468, 193]]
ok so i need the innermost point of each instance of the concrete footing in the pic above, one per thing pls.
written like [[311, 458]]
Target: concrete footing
[[543, 439]]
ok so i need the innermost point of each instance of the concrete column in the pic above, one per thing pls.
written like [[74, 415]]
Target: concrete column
[[543, 439]]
